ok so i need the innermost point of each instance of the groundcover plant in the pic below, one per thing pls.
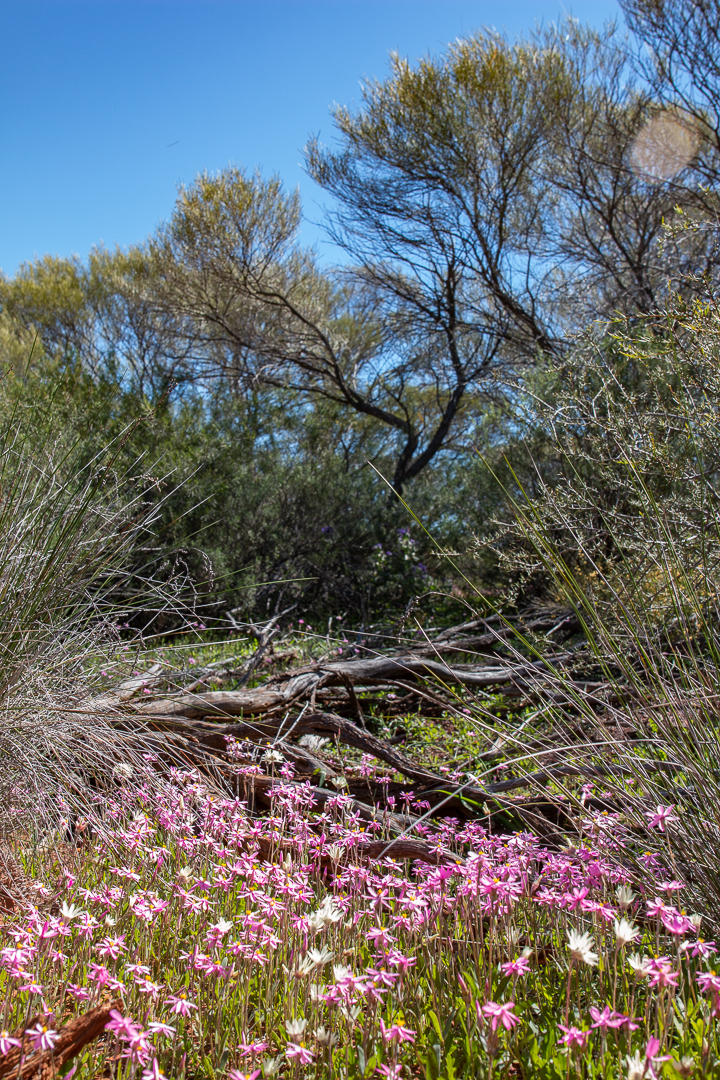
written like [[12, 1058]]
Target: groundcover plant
[[220, 944]]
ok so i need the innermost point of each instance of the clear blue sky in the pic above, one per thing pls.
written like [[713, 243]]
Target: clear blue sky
[[108, 104]]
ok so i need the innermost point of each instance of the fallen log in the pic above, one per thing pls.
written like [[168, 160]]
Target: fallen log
[[25, 1063]]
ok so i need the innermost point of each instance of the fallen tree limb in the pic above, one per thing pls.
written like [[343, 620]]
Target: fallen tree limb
[[23, 1063]]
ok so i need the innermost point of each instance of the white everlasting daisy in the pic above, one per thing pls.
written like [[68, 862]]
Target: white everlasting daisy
[[580, 946]]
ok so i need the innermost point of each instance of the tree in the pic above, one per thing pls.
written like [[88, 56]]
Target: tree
[[681, 62], [490, 203], [511, 167], [260, 311]]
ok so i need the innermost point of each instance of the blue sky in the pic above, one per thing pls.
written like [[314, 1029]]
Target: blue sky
[[108, 104]]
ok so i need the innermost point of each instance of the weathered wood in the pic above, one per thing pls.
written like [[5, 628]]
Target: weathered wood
[[24, 1063]]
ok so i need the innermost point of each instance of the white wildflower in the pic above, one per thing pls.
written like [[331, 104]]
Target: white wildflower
[[273, 757], [351, 1013], [335, 852], [338, 782], [696, 920], [69, 911], [326, 915], [325, 1037], [222, 926], [272, 1066], [340, 972], [320, 957], [295, 1028], [313, 743], [638, 963], [636, 1067], [625, 896], [624, 932], [685, 1066], [580, 946], [304, 968]]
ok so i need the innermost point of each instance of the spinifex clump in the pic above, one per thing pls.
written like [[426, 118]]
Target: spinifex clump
[[72, 573]]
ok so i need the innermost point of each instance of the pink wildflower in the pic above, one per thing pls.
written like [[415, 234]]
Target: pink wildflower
[[574, 1037], [7, 1042], [501, 1014], [235, 1074], [661, 816], [179, 1004], [43, 1038], [253, 1048], [154, 1072], [608, 1018], [519, 966], [123, 1026], [396, 1033], [157, 1027], [297, 1050]]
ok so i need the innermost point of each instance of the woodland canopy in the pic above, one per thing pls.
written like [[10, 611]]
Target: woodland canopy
[[497, 211]]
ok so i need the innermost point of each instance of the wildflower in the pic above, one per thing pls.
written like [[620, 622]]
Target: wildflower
[[519, 966], [326, 915], [661, 816], [43, 1038], [319, 957], [670, 886], [123, 1026], [608, 1018], [709, 981], [404, 963], [7, 1042], [235, 1074], [69, 911], [179, 1004], [397, 1033], [625, 932], [652, 1057], [157, 1027], [380, 937], [111, 946], [273, 757], [685, 1066], [392, 1072], [625, 897], [636, 1067], [147, 986], [676, 923], [154, 1072], [271, 1066], [580, 946], [574, 1037], [297, 1050], [325, 1037], [638, 963], [295, 1028], [660, 971], [501, 1014], [351, 1013]]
